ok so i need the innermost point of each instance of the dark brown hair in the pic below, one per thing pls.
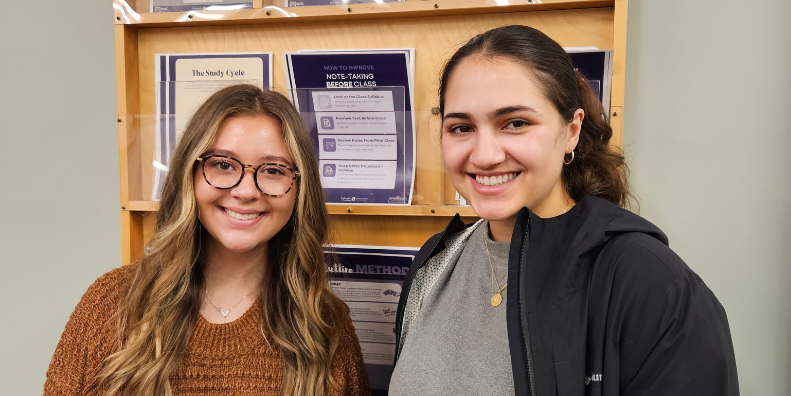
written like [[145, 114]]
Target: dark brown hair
[[598, 169]]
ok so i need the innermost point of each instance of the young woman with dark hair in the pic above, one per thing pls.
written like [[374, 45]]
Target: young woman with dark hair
[[557, 290], [232, 298]]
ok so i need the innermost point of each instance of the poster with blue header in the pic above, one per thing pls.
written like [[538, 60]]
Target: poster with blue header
[[369, 279], [357, 107]]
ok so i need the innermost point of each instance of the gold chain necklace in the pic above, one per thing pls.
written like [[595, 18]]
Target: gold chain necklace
[[497, 298]]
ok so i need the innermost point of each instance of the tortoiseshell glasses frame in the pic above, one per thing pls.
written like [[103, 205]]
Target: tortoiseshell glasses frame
[[223, 174]]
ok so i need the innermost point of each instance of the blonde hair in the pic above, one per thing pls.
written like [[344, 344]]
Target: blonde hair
[[300, 314]]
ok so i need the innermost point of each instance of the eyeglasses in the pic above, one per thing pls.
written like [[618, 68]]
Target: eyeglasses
[[225, 172]]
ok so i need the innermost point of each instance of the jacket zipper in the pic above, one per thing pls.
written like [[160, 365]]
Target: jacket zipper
[[523, 318]]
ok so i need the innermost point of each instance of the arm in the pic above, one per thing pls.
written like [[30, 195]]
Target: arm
[[89, 337], [675, 338], [348, 365]]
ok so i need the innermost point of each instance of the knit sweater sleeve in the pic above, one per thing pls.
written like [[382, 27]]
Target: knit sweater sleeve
[[348, 366], [89, 337]]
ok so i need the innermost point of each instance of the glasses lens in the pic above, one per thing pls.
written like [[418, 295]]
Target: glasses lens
[[274, 179], [222, 172]]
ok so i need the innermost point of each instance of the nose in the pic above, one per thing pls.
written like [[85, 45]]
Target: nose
[[487, 151], [246, 190]]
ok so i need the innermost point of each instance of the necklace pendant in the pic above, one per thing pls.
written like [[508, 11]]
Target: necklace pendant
[[497, 299], [224, 313]]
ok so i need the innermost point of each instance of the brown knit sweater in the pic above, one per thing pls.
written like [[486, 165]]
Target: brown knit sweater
[[223, 359]]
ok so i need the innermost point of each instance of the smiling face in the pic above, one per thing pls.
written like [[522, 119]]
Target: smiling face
[[503, 141], [243, 219]]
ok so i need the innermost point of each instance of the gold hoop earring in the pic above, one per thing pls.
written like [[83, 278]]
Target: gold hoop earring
[[571, 160]]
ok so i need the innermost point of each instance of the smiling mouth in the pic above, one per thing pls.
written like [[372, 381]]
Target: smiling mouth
[[241, 216], [493, 181]]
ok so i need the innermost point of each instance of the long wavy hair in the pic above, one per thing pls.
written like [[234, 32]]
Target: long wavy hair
[[301, 315], [598, 168]]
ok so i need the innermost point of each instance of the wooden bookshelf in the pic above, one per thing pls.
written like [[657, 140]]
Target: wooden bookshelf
[[434, 28]]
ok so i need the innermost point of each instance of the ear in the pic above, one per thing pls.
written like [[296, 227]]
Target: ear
[[575, 127]]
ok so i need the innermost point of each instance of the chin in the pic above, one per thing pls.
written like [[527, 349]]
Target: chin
[[494, 212], [237, 245]]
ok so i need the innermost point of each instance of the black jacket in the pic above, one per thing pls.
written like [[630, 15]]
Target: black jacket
[[598, 304]]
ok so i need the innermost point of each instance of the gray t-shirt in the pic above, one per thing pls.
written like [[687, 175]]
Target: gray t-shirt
[[458, 342]]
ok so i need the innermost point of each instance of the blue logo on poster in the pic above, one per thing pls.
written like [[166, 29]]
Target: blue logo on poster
[[327, 123], [329, 170], [329, 145], [324, 102]]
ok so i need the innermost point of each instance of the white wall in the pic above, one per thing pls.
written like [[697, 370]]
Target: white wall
[[59, 215], [708, 94], [708, 87]]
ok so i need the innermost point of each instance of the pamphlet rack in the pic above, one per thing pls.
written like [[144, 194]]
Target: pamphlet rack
[[434, 28]]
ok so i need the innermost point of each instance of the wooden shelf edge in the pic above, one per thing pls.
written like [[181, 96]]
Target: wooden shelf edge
[[142, 206], [405, 9], [352, 210], [413, 210]]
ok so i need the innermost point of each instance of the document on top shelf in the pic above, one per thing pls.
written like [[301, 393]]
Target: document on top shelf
[[197, 5], [185, 81], [369, 280], [596, 66], [302, 3], [358, 108]]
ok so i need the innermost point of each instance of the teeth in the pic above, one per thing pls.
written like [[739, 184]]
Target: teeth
[[242, 216], [495, 180]]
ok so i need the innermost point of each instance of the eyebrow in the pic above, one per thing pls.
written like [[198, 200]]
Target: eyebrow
[[265, 159], [276, 158], [496, 113], [511, 109]]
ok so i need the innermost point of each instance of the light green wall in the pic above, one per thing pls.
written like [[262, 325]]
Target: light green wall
[[708, 94], [708, 89]]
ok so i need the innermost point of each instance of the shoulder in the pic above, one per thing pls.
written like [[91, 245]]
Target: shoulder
[[89, 336], [110, 287], [348, 335], [96, 309], [651, 283], [642, 259]]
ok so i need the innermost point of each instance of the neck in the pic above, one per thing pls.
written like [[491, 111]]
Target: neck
[[502, 229], [228, 272], [555, 204]]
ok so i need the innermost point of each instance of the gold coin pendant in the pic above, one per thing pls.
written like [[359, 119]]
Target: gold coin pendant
[[497, 299]]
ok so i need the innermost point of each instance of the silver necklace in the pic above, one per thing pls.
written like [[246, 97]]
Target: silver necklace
[[226, 312]]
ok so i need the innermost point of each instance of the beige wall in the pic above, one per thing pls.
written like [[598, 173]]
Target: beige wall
[[707, 88]]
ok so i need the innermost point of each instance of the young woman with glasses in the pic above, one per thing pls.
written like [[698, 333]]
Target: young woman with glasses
[[232, 297], [557, 290]]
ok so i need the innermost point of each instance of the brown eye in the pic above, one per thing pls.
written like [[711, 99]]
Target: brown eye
[[460, 129], [222, 165], [516, 124], [273, 171]]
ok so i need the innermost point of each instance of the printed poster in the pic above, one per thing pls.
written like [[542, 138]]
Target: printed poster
[[185, 81], [358, 110], [369, 280]]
